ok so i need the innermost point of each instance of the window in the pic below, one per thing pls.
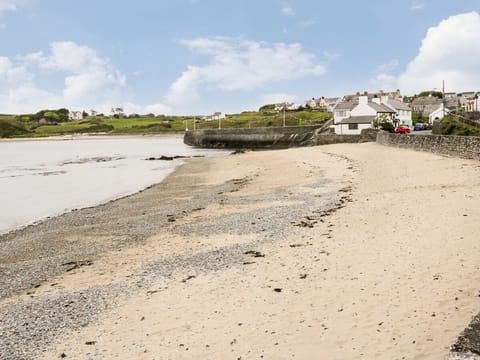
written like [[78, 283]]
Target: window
[[352, 126], [341, 113]]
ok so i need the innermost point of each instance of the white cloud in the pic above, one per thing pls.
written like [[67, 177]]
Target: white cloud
[[287, 10], [242, 65], [307, 23], [158, 109], [330, 56], [89, 81], [11, 5], [417, 6], [277, 98], [448, 52], [388, 66], [11, 74], [384, 79]]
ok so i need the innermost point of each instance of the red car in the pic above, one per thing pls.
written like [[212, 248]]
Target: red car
[[402, 130]]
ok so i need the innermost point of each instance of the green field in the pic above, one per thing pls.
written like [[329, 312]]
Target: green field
[[29, 126]]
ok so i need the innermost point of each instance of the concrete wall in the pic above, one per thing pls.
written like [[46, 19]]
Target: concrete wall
[[270, 138], [459, 146], [275, 138]]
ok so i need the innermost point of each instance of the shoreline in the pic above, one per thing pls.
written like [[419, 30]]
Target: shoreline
[[113, 153], [93, 136], [299, 252]]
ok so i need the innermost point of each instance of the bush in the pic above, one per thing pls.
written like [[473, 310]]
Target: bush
[[268, 107], [8, 129], [387, 126]]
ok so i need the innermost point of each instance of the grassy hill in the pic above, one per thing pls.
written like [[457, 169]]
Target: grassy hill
[[466, 125], [36, 125]]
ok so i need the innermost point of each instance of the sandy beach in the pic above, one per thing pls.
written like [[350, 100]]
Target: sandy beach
[[347, 251]]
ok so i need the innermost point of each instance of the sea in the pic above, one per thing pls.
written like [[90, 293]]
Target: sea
[[44, 178]]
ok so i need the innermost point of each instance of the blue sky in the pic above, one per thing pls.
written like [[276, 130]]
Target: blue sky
[[201, 56]]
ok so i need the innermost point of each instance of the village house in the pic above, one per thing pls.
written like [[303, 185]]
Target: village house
[[215, 116], [396, 95], [286, 106], [322, 103], [438, 114], [343, 111], [75, 115], [425, 105], [403, 112], [351, 117], [468, 101], [331, 103]]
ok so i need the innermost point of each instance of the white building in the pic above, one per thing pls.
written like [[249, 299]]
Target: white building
[[215, 116], [354, 125], [343, 111], [437, 114], [75, 115], [403, 113]]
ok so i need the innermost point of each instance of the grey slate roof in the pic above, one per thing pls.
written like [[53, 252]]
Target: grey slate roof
[[380, 108], [345, 105], [358, 120], [426, 100], [398, 105]]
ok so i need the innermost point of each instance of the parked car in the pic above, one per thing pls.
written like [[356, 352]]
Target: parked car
[[420, 126], [402, 130]]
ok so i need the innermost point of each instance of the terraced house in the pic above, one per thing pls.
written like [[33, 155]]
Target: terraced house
[[352, 116]]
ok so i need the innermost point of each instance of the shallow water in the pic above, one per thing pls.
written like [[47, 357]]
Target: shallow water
[[45, 178]]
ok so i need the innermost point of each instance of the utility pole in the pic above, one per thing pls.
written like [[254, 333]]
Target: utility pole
[[194, 121], [443, 97], [284, 106]]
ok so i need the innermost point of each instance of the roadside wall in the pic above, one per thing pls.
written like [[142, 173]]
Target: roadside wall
[[460, 146]]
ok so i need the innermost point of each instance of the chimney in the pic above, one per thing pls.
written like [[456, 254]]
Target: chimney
[[363, 100], [384, 99], [376, 100], [365, 93]]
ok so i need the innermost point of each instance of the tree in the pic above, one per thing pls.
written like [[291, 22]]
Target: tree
[[437, 94], [118, 112], [62, 114], [51, 116]]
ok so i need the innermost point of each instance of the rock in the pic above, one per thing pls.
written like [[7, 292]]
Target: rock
[[72, 265], [253, 253]]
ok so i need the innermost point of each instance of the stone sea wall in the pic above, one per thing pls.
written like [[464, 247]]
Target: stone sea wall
[[275, 138], [269, 138], [460, 146]]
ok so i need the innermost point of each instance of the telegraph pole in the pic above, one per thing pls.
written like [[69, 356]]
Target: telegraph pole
[[443, 95]]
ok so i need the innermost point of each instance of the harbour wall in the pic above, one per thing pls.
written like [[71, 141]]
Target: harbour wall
[[269, 138]]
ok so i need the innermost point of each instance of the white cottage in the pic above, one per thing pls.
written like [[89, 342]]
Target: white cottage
[[403, 113], [437, 114], [361, 116]]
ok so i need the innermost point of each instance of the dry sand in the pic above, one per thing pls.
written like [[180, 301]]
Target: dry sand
[[393, 273]]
